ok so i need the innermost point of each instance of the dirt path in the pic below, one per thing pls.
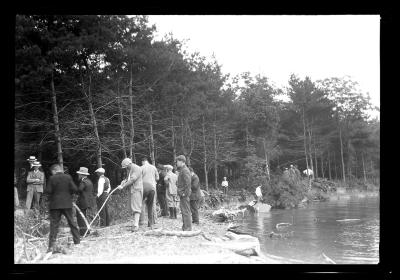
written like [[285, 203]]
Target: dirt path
[[117, 244]]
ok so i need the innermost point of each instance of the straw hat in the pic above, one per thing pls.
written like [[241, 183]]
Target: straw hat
[[101, 170], [169, 167], [83, 171], [126, 162], [32, 158], [36, 163]]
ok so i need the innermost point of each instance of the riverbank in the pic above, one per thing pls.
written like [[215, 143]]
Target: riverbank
[[117, 244]]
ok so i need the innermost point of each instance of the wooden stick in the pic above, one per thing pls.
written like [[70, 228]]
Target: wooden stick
[[83, 216], [172, 233], [98, 212]]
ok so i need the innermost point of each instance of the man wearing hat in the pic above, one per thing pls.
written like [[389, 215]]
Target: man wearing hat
[[35, 181], [60, 189], [84, 201], [103, 188], [135, 182], [184, 191]]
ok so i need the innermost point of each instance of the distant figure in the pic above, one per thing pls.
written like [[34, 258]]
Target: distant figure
[[170, 180], [308, 172], [16, 199], [225, 184], [195, 196], [258, 194], [103, 189], [84, 201], [135, 182], [35, 181], [184, 191], [60, 189]]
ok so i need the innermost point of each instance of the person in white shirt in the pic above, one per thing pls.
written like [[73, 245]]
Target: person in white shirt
[[225, 185], [150, 178], [258, 193], [35, 181], [171, 191], [103, 188]]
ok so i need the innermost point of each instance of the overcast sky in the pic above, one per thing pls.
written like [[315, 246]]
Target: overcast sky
[[276, 46]]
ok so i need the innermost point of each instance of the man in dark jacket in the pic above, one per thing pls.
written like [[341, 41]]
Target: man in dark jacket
[[195, 196], [60, 188], [161, 191], [84, 201], [184, 191]]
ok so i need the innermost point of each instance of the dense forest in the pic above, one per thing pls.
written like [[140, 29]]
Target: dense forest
[[91, 90]]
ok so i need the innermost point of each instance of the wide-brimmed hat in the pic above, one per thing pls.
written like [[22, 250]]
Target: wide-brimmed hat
[[101, 170], [32, 158], [83, 171], [36, 163], [126, 162]]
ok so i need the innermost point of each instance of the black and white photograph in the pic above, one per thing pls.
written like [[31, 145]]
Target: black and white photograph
[[197, 139]]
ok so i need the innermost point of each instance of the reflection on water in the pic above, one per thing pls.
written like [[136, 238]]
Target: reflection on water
[[316, 231]]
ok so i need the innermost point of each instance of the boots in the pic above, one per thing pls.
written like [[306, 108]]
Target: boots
[[171, 212], [174, 211]]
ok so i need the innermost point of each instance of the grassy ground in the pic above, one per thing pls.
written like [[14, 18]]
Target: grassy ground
[[117, 244]]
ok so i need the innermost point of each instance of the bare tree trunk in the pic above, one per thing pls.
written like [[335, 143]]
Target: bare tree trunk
[[205, 154], [341, 154], [363, 165], [121, 121], [131, 144], [189, 154], [173, 139], [322, 166], [329, 165], [310, 152], [215, 155], [93, 117], [315, 157], [153, 160], [334, 161], [305, 140], [266, 160], [183, 149], [56, 124]]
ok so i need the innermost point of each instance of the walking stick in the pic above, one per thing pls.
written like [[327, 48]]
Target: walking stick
[[83, 216], [98, 212]]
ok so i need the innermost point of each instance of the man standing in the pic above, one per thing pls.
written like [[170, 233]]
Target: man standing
[[195, 196], [150, 178], [225, 185], [184, 191], [161, 191], [103, 188], [35, 181], [171, 192], [84, 201], [60, 188], [135, 182]]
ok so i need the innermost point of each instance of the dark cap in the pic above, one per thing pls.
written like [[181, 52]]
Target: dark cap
[[181, 158]]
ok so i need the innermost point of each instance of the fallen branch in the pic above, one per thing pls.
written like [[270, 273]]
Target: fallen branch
[[282, 225], [347, 220], [172, 233]]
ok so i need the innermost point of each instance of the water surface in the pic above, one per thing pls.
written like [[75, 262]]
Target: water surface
[[316, 231]]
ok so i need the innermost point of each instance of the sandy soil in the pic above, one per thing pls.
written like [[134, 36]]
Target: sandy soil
[[117, 244]]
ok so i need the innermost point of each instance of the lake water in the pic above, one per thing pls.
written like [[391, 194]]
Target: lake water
[[316, 231]]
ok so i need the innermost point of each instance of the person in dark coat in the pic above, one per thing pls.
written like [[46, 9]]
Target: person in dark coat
[[161, 191], [103, 189], [184, 191], [60, 188], [84, 201], [195, 196]]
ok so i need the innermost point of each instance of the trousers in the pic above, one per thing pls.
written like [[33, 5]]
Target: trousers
[[194, 208], [32, 193], [148, 199], [186, 214], [104, 214], [55, 218]]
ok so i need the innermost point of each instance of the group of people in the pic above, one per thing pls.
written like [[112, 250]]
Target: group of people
[[180, 188]]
